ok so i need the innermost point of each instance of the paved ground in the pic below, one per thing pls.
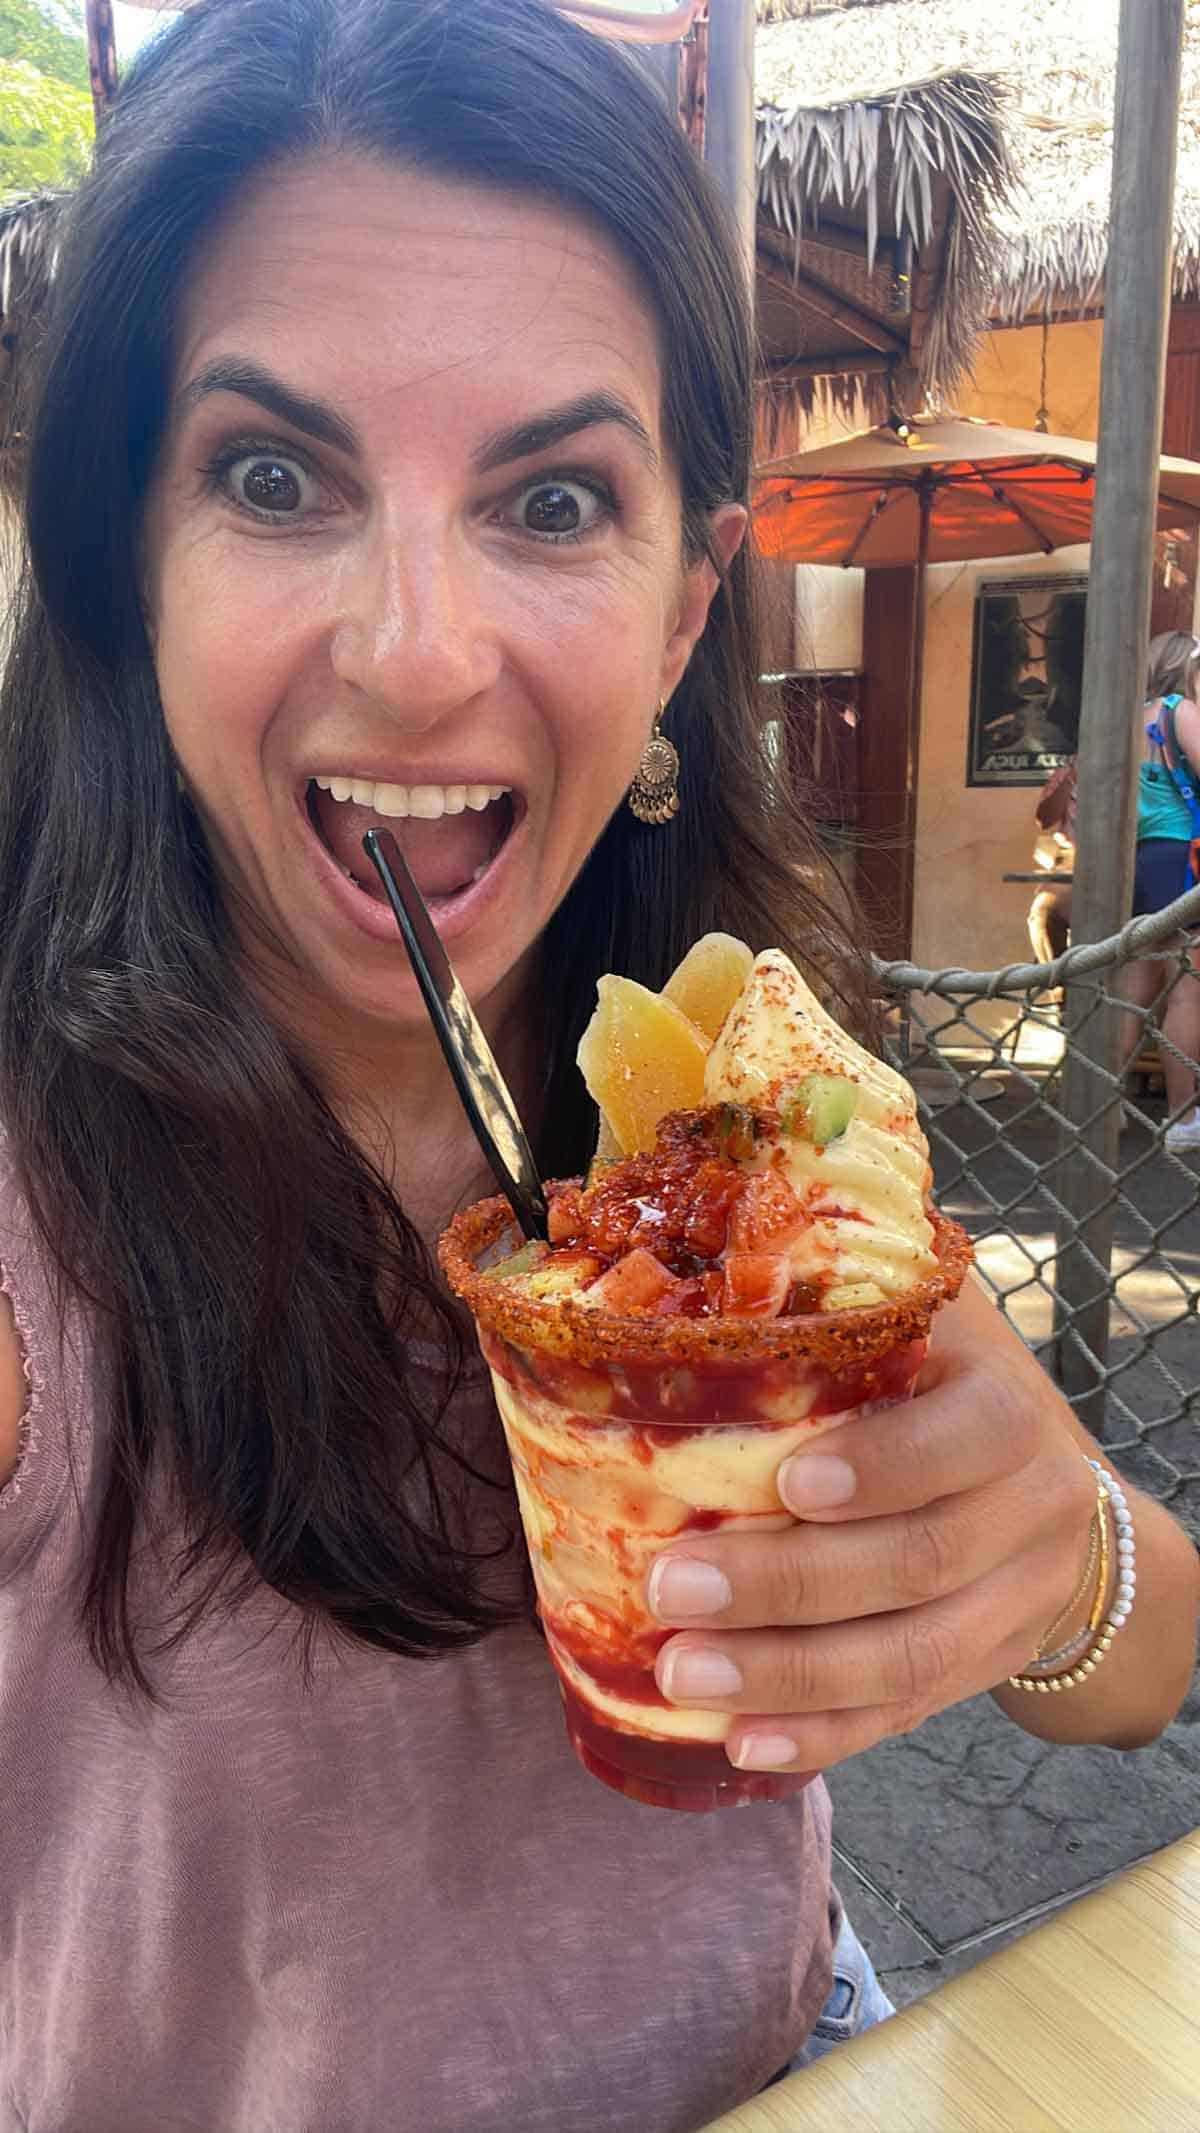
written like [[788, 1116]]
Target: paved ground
[[955, 1839]]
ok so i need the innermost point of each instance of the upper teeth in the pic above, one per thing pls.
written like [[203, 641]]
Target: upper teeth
[[427, 801]]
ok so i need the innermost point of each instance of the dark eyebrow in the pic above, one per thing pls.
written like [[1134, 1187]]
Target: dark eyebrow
[[558, 423], [239, 374]]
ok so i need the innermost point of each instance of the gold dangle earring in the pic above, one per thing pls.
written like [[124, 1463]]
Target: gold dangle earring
[[654, 793]]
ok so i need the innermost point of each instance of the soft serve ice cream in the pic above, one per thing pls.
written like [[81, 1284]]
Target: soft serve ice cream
[[702, 1310], [863, 1187]]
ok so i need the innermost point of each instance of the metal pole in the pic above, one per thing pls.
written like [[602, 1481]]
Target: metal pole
[[1136, 309], [729, 118]]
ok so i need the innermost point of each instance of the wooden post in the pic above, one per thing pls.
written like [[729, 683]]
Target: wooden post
[[729, 115], [102, 56], [1137, 304], [888, 746]]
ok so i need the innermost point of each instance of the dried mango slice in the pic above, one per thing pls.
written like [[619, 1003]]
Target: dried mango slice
[[640, 1057], [707, 982]]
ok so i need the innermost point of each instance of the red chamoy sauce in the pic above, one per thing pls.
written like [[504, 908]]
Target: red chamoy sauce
[[689, 1231]]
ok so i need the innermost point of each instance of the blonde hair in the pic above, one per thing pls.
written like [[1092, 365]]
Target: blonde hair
[[1173, 662]]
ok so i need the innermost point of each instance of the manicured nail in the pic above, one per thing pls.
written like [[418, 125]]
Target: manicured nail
[[815, 1481], [693, 1672], [679, 1587], [764, 1751]]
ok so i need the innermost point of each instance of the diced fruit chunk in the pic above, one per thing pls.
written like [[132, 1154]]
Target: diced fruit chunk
[[530, 1256], [707, 1226], [707, 982], [731, 1129], [564, 1215], [638, 1282], [818, 1108], [564, 1274], [640, 1057], [756, 1284], [767, 1214]]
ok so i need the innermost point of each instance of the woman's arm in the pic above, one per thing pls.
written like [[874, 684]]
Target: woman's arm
[[13, 1390], [1145, 1676], [1187, 732], [959, 1532]]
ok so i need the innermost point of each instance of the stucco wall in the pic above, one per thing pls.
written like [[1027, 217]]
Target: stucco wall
[[968, 837], [1007, 383]]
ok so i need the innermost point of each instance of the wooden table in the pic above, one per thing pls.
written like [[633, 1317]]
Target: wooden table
[[1088, 2024]]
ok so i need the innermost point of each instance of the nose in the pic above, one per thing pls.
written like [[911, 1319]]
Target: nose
[[411, 630]]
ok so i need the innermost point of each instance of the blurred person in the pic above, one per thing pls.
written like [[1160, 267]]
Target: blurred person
[[1168, 820], [1049, 919]]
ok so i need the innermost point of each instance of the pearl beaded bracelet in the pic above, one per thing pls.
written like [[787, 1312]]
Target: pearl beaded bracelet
[[1101, 1632]]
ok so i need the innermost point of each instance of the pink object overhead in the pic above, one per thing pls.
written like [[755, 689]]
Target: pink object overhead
[[983, 490], [654, 22]]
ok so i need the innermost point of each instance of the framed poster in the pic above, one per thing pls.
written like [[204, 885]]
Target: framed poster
[[1026, 678]]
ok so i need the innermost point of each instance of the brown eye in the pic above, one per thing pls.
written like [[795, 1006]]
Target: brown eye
[[554, 509], [560, 510], [270, 485]]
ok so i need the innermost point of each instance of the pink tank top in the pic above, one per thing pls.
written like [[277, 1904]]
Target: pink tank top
[[384, 1899]]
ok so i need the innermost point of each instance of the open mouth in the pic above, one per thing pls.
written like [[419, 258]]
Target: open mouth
[[450, 835]]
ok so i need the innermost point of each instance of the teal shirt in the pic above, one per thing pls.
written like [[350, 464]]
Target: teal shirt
[[1162, 810]]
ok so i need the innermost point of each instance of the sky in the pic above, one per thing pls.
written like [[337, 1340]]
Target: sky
[[133, 25]]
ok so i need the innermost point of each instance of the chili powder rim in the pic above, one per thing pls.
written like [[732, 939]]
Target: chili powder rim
[[834, 1339]]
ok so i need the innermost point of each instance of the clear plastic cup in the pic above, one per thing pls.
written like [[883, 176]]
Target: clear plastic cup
[[628, 1432]]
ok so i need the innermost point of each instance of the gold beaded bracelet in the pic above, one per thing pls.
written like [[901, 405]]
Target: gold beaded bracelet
[[1103, 1623], [1096, 1537]]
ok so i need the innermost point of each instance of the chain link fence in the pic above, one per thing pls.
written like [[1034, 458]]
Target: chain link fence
[[1056, 1097]]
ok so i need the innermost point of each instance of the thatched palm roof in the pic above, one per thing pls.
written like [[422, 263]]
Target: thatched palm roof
[[1051, 64], [860, 153]]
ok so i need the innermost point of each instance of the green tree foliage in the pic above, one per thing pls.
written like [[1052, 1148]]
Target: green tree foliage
[[45, 99]]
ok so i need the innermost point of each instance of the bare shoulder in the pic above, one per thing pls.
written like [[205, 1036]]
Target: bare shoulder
[[13, 1389], [1187, 730]]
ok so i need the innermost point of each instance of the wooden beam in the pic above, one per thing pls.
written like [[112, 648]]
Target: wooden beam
[[889, 740], [806, 288], [102, 56], [729, 117], [1133, 355], [823, 236]]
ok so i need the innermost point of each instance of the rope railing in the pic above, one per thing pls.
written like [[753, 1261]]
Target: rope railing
[[1135, 939]]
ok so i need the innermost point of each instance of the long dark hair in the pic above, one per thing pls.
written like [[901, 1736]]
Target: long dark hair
[[253, 1283]]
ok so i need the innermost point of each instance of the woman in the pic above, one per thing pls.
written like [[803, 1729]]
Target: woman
[[1049, 920], [1166, 824], [394, 434]]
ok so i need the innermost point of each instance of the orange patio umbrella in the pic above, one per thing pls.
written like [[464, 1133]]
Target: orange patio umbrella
[[940, 489]]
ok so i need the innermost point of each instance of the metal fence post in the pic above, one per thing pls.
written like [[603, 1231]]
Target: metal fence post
[[1136, 308]]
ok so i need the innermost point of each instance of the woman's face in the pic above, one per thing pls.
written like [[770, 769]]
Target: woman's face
[[414, 543]]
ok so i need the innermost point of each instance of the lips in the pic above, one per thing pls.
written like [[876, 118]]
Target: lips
[[445, 856]]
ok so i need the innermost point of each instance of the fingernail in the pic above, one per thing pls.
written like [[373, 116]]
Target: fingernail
[[764, 1751], [697, 1673], [678, 1586], [815, 1481]]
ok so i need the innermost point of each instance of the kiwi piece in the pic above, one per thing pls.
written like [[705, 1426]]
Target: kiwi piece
[[818, 1108]]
